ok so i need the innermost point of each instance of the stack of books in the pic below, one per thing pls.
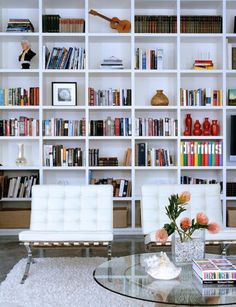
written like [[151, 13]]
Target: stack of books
[[219, 270], [149, 59], [23, 126], [59, 155], [121, 187], [109, 97], [201, 153], [203, 65], [19, 25], [201, 97], [18, 187], [54, 23], [152, 156], [19, 97], [63, 58], [112, 63], [63, 127], [111, 127], [155, 24], [201, 24], [156, 127]]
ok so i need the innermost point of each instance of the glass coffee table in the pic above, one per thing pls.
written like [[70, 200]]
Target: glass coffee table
[[126, 276]]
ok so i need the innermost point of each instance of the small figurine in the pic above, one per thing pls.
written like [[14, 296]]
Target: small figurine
[[27, 54]]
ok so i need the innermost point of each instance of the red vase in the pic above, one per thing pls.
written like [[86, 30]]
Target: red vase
[[188, 124], [206, 127], [215, 128], [197, 128]]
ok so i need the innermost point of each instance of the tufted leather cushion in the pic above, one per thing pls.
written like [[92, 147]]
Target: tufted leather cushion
[[76, 211], [204, 198]]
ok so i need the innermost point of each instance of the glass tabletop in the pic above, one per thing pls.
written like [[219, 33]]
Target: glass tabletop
[[127, 276]]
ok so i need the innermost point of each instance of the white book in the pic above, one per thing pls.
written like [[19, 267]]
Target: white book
[[17, 185], [122, 185]]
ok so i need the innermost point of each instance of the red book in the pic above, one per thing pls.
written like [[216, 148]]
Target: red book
[[117, 127], [206, 152]]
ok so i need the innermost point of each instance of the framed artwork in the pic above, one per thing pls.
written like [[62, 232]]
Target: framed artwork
[[64, 93]]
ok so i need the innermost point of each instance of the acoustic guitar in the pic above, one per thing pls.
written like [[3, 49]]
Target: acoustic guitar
[[122, 26]]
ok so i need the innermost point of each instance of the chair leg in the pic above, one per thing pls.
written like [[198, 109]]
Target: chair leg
[[224, 249], [29, 260], [109, 251]]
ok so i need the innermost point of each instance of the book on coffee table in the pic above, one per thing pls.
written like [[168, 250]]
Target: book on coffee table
[[215, 270]]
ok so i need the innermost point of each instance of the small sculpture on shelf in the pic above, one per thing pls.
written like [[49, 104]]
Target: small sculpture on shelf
[[197, 128], [27, 54], [159, 99], [206, 127], [215, 129], [21, 160], [188, 125]]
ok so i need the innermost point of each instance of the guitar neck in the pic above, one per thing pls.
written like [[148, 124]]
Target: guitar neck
[[102, 16]]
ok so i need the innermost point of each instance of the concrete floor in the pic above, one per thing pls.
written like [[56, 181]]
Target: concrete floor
[[11, 252]]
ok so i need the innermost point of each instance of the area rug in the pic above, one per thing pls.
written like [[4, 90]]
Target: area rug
[[60, 282]]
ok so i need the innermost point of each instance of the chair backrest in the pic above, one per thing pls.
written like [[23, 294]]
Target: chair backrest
[[72, 208], [204, 198]]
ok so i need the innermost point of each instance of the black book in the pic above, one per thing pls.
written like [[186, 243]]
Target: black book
[[141, 154]]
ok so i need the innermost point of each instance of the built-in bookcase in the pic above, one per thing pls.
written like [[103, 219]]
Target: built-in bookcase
[[100, 41]]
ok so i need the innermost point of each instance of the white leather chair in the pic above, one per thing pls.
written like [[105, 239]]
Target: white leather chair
[[69, 216], [204, 198]]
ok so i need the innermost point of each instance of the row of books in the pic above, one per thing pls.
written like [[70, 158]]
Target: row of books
[[191, 180], [23, 126], [155, 24], [201, 24], [63, 58], [145, 156], [63, 127], [111, 127], [17, 187], [19, 96], [201, 97], [19, 25], [149, 58], [156, 127], [231, 49], [201, 153], [54, 23], [109, 97], [95, 160], [215, 270], [59, 155], [168, 24], [121, 187]]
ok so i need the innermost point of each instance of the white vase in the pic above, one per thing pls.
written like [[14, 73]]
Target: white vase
[[21, 160], [191, 248]]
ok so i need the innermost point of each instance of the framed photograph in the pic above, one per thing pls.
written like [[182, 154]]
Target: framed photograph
[[64, 93]]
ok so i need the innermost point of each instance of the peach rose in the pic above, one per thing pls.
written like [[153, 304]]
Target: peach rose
[[161, 235], [185, 223], [184, 197], [202, 219], [213, 227]]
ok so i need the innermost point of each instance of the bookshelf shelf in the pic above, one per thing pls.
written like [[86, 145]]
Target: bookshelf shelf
[[99, 41], [15, 199]]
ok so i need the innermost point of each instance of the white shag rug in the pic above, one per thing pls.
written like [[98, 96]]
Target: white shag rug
[[60, 282]]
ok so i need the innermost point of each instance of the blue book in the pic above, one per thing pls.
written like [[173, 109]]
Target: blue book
[[2, 102]]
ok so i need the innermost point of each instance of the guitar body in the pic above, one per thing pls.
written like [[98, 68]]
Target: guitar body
[[122, 26]]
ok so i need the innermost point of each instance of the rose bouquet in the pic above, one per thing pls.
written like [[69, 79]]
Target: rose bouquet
[[186, 227]]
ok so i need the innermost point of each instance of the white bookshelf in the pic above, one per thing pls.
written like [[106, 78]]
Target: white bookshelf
[[100, 41]]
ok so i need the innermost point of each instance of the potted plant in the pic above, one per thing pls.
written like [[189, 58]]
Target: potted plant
[[188, 235]]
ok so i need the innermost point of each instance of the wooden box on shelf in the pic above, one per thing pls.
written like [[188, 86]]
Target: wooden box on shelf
[[14, 218], [120, 217], [231, 217]]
